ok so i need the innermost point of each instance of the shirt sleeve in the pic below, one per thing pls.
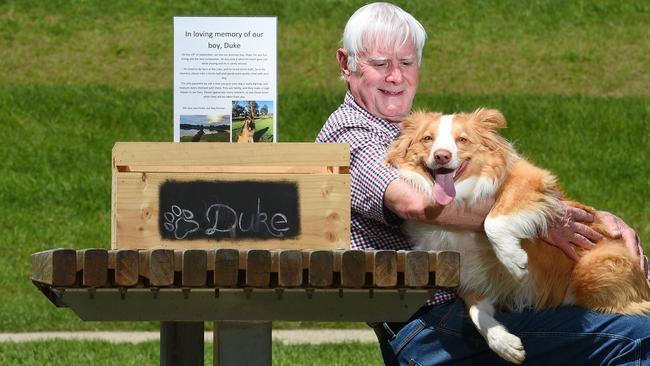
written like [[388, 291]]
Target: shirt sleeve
[[369, 176]]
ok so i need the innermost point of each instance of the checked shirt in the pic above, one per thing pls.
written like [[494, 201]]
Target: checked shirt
[[372, 225]]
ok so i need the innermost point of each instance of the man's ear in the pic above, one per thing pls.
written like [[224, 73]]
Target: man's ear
[[342, 58], [489, 118]]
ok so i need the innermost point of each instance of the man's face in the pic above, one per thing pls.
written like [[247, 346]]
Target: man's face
[[385, 81]]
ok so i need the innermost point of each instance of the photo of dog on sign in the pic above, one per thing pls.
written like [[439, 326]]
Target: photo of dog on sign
[[205, 128], [252, 121]]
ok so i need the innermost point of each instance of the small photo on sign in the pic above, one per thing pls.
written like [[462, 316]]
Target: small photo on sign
[[252, 121], [205, 128]]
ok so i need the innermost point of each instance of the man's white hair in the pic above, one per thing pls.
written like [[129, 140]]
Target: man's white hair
[[381, 24]]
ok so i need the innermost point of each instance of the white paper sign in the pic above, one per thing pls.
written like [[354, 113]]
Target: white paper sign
[[225, 79]]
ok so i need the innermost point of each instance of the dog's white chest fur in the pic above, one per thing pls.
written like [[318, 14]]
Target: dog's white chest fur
[[477, 258]]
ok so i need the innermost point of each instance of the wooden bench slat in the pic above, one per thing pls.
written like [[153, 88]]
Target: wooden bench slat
[[193, 266], [93, 264], [157, 266], [416, 268], [289, 268], [384, 267], [321, 268], [353, 269], [226, 267], [258, 267], [446, 266], [125, 264], [55, 267]]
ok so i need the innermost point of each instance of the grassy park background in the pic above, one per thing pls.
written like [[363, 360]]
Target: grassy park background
[[572, 79]]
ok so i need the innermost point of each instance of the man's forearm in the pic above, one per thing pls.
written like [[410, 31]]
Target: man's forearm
[[410, 204]]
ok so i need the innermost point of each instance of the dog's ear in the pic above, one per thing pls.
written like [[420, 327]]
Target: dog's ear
[[397, 151], [396, 155], [489, 118]]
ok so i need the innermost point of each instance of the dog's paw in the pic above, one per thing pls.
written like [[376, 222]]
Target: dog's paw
[[180, 222], [507, 345], [516, 262]]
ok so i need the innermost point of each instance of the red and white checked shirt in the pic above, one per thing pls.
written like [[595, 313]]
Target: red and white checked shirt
[[372, 226]]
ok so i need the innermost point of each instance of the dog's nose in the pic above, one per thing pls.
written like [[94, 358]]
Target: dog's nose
[[442, 156]]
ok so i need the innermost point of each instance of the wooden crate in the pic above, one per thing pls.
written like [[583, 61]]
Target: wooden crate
[[208, 195]]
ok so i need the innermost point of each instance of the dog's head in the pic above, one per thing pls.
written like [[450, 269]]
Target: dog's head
[[451, 148]]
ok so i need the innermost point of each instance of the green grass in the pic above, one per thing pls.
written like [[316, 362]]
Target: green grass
[[96, 353], [570, 77], [550, 47]]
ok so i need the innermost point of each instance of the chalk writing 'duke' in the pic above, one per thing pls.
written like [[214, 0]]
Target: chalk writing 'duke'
[[229, 210]]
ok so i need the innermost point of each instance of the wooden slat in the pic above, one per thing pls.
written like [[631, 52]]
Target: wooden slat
[[56, 267], [446, 266], [158, 265], [415, 265], [179, 154], [289, 268], [93, 264], [227, 169], [193, 266], [384, 267], [226, 267], [353, 268], [321, 268], [258, 267], [125, 266]]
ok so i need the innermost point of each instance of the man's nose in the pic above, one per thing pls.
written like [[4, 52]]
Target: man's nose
[[394, 75]]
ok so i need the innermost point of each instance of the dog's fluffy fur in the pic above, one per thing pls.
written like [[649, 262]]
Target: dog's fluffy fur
[[508, 266]]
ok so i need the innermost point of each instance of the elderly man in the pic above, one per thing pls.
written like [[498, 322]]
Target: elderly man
[[379, 60]]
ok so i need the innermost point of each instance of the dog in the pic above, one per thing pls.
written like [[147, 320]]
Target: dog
[[247, 130], [508, 266]]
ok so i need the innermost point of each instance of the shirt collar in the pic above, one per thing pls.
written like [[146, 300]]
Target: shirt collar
[[352, 103]]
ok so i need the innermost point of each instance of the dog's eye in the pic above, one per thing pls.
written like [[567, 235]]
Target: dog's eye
[[427, 138], [462, 140]]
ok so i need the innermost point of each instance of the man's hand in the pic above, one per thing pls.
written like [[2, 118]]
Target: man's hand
[[616, 228], [571, 230], [405, 201]]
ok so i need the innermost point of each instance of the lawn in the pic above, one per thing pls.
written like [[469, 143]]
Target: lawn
[[96, 353], [571, 78]]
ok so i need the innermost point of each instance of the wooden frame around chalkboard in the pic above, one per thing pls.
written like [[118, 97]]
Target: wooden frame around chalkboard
[[320, 172]]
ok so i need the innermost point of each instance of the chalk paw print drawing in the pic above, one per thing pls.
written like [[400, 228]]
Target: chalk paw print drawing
[[180, 222]]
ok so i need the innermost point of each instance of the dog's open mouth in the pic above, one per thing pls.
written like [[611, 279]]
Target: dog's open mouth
[[444, 190]]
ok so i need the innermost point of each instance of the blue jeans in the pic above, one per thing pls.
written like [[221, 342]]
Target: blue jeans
[[444, 334]]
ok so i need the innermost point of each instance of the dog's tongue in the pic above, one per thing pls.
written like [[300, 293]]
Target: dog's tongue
[[444, 190]]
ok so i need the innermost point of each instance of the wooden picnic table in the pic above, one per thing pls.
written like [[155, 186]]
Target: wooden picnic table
[[242, 291]]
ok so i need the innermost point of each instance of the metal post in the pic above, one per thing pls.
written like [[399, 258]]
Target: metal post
[[181, 343], [242, 343]]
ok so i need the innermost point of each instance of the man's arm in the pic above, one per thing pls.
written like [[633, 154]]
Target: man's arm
[[410, 204]]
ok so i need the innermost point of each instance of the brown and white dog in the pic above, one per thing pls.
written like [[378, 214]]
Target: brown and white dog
[[507, 267]]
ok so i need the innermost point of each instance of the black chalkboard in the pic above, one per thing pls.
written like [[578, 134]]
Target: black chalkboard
[[229, 210]]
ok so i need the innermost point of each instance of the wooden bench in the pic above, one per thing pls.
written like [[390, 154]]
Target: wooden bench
[[217, 232], [242, 291]]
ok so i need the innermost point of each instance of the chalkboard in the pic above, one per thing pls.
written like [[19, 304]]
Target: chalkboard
[[229, 210]]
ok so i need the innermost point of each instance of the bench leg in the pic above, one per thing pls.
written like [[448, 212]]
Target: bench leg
[[242, 343], [181, 343]]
